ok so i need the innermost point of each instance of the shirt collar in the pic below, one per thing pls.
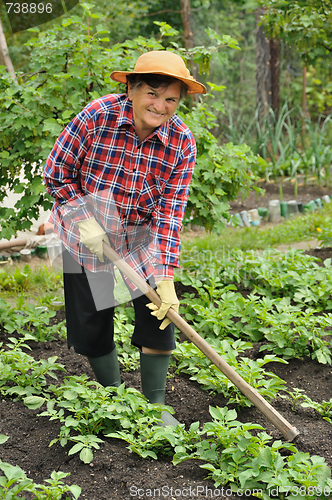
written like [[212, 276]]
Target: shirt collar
[[125, 117], [162, 133]]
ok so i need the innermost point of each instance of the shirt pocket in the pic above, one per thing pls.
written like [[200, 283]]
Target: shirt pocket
[[150, 193]]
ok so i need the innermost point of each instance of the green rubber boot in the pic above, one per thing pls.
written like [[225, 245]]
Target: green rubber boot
[[106, 369], [154, 368]]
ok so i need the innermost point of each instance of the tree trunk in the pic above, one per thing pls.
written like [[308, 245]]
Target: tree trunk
[[275, 76], [185, 15], [304, 91], [263, 69], [5, 59], [187, 31]]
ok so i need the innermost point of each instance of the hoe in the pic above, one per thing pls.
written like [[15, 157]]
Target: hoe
[[289, 432]]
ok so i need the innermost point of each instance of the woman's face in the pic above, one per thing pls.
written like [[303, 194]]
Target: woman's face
[[153, 107]]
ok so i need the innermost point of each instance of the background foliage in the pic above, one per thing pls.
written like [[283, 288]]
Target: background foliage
[[69, 65], [63, 66]]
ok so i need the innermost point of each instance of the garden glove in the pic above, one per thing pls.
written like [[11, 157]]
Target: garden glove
[[92, 236], [166, 292]]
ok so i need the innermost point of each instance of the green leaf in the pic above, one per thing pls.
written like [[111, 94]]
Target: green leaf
[[76, 448], [3, 438], [75, 490], [50, 124], [265, 457], [71, 395], [244, 476], [86, 455], [34, 402], [12, 473]]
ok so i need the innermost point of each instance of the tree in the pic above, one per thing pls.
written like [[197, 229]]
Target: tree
[[305, 26], [275, 75], [263, 68], [5, 59], [70, 65]]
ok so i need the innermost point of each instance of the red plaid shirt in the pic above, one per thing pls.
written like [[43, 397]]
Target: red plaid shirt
[[137, 191]]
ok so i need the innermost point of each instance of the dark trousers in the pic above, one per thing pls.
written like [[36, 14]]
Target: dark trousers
[[89, 301]]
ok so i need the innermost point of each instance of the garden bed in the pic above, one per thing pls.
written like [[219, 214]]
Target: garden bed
[[116, 473], [305, 193]]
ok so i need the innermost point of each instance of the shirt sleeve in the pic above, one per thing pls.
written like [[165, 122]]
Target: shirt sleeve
[[169, 213], [62, 169]]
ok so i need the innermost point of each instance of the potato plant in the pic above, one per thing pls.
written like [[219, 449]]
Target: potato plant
[[286, 307], [14, 482]]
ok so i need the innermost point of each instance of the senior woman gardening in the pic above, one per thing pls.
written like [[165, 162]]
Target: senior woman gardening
[[120, 172]]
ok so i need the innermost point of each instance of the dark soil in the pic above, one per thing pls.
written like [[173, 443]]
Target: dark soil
[[116, 473], [305, 193]]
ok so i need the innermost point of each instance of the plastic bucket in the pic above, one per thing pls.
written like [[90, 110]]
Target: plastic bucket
[[57, 305], [263, 213], [293, 207], [41, 252], [274, 210], [16, 257], [25, 255], [254, 217], [245, 218], [284, 212], [310, 207]]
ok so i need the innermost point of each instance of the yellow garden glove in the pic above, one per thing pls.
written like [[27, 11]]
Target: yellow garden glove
[[92, 236], [166, 292]]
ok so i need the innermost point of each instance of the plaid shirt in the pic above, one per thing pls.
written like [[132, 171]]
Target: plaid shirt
[[137, 191]]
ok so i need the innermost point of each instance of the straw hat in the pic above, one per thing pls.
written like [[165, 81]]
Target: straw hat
[[162, 62]]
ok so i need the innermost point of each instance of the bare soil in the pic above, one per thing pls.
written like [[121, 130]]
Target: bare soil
[[305, 193]]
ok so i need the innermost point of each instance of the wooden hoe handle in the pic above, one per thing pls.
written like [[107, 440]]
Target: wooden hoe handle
[[289, 432]]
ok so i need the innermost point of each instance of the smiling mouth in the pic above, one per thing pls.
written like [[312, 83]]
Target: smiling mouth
[[155, 114]]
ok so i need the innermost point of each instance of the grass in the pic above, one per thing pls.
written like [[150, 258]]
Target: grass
[[301, 228], [19, 280]]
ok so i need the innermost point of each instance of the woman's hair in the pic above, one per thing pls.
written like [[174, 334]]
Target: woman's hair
[[155, 81]]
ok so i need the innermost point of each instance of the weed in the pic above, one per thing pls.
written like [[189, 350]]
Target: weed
[[296, 395], [86, 409], [128, 355], [219, 310], [293, 230], [41, 280]]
